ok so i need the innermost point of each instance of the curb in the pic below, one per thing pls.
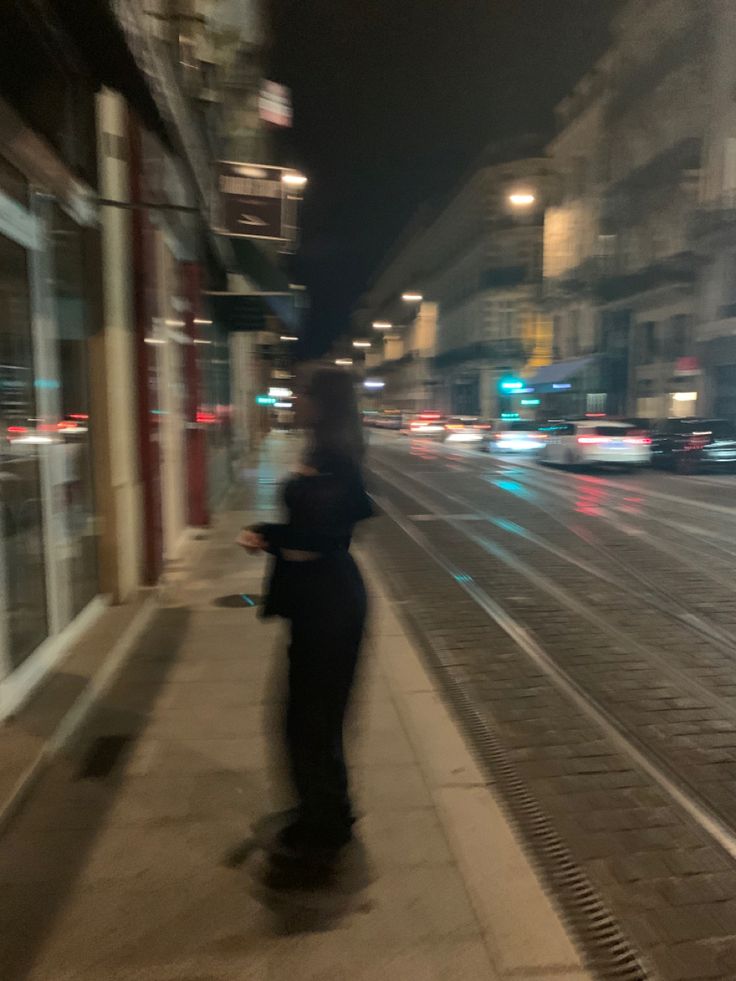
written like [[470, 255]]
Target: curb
[[77, 713]]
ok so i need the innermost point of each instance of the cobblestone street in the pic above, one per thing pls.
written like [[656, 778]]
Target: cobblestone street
[[588, 619]]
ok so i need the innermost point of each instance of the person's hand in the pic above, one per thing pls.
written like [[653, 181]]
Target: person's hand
[[251, 541]]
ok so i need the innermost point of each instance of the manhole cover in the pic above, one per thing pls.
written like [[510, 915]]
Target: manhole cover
[[243, 601]]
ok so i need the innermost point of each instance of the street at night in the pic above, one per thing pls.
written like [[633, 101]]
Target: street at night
[[586, 621], [368, 490]]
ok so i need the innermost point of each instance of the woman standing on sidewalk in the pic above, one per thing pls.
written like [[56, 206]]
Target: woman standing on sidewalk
[[316, 585]]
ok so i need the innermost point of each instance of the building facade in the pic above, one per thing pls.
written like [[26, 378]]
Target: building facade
[[116, 403], [615, 291], [476, 263], [623, 271]]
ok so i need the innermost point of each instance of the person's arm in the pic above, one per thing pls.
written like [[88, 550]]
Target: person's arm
[[278, 536]]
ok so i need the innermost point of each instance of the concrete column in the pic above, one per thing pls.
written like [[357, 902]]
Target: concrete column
[[112, 362], [488, 395]]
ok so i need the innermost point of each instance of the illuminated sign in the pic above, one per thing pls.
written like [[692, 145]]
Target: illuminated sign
[[265, 400], [510, 385], [530, 401]]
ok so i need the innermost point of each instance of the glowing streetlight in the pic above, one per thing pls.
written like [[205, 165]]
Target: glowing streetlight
[[521, 199], [382, 325], [344, 362], [293, 178], [288, 337], [412, 297], [362, 344]]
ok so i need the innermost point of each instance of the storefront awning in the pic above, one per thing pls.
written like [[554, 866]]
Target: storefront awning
[[267, 303], [255, 311], [552, 377]]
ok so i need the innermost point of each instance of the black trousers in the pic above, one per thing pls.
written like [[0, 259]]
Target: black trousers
[[327, 623]]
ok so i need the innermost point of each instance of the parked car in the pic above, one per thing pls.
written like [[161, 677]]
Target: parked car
[[515, 436], [426, 424], [389, 419], [466, 429], [590, 442], [689, 445]]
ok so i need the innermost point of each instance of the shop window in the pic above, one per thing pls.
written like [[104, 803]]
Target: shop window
[[76, 544], [23, 437]]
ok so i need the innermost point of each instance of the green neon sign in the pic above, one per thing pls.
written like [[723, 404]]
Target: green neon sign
[[265, 400]]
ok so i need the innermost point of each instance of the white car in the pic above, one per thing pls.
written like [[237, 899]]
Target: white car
[[592, 443], [515, 436]]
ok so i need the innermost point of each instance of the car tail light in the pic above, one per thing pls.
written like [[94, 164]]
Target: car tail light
[[640, 440], [696, 443]]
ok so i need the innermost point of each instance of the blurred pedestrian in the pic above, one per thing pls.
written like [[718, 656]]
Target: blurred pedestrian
[[317, 587]]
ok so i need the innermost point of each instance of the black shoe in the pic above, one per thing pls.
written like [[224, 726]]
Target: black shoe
[[283, 874], [303, 840], [268, 828]]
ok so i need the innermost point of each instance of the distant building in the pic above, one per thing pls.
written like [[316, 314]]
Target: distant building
[[474, 267], [621, 274], [714, 225]]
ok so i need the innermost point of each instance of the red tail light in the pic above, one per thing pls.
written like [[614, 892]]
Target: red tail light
[[640, 440], [696, 443]]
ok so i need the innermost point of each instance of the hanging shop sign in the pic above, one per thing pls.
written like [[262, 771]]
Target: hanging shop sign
[[274, 104], [251, 201], [687, 366]]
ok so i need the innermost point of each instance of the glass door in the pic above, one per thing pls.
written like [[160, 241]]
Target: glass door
[[23, 437]]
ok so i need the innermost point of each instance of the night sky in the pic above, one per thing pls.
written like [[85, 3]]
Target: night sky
[[393, 100]]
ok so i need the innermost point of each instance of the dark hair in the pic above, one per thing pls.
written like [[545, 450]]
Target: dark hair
[[336, 426]]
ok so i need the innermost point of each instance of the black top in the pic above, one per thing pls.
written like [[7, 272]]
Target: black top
[[323, 508]]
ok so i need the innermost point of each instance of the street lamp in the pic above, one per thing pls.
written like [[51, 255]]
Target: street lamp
[[288, 337], [362, 344], [382, 325], [292, 178], [412, 297], [344, 362], [521, 199]]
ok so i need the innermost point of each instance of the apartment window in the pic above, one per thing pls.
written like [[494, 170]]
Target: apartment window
[[574, 333], [648, 342], [679, 336], [508, 318]]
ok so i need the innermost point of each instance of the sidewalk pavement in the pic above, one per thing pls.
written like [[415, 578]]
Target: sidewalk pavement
[[119, 866]]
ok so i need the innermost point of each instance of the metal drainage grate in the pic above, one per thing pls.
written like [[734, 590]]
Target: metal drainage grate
[[102, 757], [608, 952]]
